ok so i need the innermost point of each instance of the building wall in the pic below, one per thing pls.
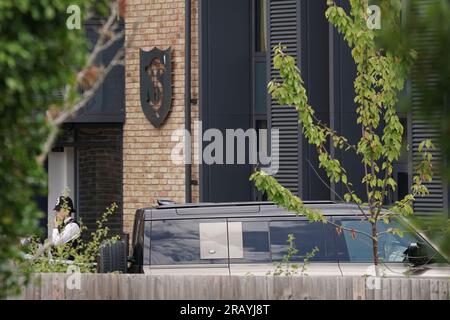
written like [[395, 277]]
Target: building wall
[[99, 176], [148, 172], [86, 164]]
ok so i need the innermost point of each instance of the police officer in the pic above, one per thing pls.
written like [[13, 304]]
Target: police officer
[[65, 227]]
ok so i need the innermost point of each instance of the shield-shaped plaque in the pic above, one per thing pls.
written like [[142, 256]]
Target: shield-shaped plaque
[[156, 88]]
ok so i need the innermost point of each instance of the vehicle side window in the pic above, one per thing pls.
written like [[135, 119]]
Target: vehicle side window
[[179, 242], [136, 227], [307, 237], [358, 247], [138, 248], [147, 236], [255, 241], [333, 242]]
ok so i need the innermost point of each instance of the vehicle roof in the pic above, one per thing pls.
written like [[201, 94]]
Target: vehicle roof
[[247, 209], [230, 204]]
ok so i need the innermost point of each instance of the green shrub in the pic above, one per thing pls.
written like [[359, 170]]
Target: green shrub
[[84, 255]]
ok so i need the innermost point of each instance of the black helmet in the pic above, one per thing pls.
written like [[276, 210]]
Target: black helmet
[[62, 202]]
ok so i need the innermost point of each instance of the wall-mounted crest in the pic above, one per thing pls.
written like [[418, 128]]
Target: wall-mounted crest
[[156, 88]]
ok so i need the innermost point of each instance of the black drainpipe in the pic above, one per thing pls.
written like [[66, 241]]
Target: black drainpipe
[[187, 101]]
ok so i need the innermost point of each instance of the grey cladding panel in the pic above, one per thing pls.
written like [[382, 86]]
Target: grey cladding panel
[[283, 29], [423, 128]]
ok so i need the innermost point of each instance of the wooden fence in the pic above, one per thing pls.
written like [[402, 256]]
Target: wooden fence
[[115, 286]]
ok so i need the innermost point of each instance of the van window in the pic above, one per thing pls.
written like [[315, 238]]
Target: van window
[[138, 220], [138, 240], [358, 249], [255, 241], [307, 237], [391, 247], [178, 242]]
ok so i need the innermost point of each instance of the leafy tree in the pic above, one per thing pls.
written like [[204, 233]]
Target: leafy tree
[[425, 20], [39, 56], [379, 79], [426, 31]]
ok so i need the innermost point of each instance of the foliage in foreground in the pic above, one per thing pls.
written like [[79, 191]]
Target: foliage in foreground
[[286, 268], [39, 56], [427, 31], [84, 256]]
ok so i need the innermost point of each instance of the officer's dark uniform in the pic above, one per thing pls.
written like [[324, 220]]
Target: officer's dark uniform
[[69, 231]]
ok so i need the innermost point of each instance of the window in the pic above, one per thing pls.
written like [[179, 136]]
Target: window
[[254, 240], [391, 247], [138, 237], [260, 81], [358, 250], [260, 87], [188, 242], [307, 237], [260, 26]]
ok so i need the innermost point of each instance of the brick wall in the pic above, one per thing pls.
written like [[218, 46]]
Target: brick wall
[[148, 172], [99, 176]]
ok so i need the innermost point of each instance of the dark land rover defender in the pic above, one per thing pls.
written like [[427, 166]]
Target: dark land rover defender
[[250, 238]]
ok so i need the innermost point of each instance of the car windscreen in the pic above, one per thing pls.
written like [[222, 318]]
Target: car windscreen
[[357, 246]]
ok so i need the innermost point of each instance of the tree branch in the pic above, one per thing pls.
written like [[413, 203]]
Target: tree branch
[[69, 110], [107, 37], [332, 190]]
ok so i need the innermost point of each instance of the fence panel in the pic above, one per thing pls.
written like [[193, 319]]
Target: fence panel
[[145, 287]]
